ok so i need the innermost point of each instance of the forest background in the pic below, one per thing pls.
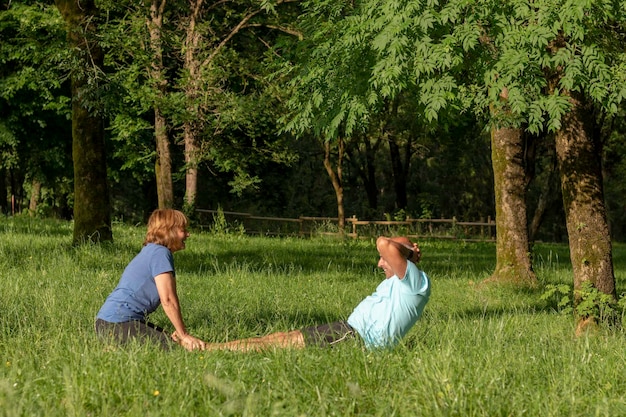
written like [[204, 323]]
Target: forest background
[[279, 108]]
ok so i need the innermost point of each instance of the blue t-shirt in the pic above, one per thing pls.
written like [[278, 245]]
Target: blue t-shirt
[[136, 295], [387, 315]]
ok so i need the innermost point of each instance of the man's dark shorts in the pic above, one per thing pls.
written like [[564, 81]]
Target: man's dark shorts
[[328, 334]]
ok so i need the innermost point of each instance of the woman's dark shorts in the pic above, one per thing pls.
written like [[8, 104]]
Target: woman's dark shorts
[[328, 334], [133, 330]]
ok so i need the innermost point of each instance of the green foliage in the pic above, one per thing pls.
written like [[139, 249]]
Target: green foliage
[[222, 227], [595, 304], [614, 165], [325, 227], [451, 52], [35, 136], [586, 302], [570, 41], [559, 296]]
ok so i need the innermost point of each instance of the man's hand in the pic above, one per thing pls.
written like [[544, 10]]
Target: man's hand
[[413, 254], [417, 254]]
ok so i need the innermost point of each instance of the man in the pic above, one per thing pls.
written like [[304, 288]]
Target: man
[[381, 319]]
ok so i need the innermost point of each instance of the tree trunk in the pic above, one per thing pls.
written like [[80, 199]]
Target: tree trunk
[[4, 195], [35, 194], [399, 171], [163, 164], [363, 161], [512, 247], [369, 173], [195, 60], [548, 193], [192, 125], [191, 167], [578, 155], [336, 180], [92, 208]]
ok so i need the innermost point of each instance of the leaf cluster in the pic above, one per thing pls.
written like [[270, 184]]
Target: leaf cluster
[[523, 58]]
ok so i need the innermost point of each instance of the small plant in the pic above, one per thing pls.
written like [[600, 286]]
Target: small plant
[[220, 225], [326, 226], [559, 297], [593, 303], [400, 215]]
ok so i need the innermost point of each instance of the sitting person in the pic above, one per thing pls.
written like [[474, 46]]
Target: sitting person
[[148, 281], [381, 319]]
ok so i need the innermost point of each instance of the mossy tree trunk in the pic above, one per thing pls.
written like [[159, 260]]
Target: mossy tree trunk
[[512, 248], [92, 207], [578, 155], [163, 163]]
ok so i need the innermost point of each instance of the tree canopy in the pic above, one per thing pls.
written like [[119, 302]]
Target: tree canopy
[[408, 85]]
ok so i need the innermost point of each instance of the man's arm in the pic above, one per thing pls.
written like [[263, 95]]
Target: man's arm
[[396, 251], [414, 255]]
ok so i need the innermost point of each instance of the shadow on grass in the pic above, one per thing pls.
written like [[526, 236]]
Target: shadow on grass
[[265, 322], [280, 258], [12, 226]]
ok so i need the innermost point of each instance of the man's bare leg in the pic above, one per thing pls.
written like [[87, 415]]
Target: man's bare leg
[[293, 339]]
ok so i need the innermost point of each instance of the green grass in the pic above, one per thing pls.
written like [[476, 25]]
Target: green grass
[[478, 351]]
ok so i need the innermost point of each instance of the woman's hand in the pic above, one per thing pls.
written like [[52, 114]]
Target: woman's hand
[[189, 342]]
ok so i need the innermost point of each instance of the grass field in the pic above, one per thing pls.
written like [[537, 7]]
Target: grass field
[[478, 351]]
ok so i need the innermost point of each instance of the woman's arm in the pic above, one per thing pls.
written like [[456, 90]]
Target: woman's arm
[[166, 286]]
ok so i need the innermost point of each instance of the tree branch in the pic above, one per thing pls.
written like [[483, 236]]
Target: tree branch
[[288, 31], [232, 33]]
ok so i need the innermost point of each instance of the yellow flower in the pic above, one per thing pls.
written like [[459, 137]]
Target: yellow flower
[[8, 363], [156, 393]]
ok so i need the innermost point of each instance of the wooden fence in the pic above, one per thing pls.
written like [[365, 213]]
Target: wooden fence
[[484, 230]]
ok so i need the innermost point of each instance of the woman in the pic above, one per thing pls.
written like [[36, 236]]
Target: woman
[[148, 281]]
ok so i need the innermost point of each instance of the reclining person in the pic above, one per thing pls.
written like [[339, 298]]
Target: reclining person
[[380, 320]]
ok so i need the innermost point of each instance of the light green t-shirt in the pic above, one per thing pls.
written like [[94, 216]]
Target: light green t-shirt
[[385, 317]]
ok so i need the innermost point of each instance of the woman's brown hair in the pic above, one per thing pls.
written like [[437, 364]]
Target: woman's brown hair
[[163, 226]]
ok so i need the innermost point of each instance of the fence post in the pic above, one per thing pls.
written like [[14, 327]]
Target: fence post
[[482, 229]]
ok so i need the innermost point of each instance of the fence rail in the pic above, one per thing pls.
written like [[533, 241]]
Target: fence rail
[[484, 230]]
